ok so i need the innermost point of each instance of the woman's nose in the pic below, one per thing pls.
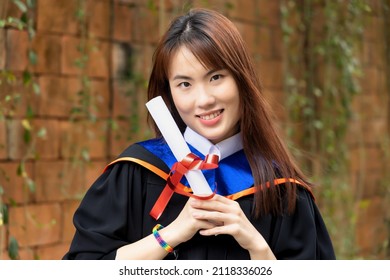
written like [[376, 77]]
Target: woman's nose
[[205, 98]]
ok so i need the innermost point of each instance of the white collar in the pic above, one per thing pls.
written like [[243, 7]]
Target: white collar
[[223, 149]]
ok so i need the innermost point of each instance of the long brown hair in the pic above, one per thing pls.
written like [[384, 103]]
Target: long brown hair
[[216, 43]]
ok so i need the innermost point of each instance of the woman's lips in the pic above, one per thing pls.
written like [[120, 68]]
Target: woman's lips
[[211, 118]]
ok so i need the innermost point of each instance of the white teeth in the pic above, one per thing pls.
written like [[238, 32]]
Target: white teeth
[[211, 116]]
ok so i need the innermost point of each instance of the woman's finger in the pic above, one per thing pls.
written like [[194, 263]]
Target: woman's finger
[[217, 203]]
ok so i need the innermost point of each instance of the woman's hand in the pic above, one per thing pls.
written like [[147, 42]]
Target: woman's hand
[[186, 225], [218, 215], [180, 230], [224, 216]]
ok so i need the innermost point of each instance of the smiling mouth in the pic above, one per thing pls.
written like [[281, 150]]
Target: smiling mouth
[[210, 116]]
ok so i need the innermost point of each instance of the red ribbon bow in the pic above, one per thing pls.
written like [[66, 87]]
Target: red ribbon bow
[[179, 169]]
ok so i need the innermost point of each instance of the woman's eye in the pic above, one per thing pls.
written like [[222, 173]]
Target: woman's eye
[[184, 84], [216, 77]]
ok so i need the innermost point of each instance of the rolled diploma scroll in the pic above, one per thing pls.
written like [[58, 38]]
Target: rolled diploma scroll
[[176, 143]]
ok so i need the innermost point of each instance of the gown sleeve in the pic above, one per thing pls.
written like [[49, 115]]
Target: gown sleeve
[[103, 222], [302, 235]]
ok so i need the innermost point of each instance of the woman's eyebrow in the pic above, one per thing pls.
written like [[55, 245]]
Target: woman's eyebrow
[[184, 77], [211, 72], [181, 77]]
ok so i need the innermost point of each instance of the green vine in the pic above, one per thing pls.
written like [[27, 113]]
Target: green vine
[[12, 99], [83, 113], [322, 70], [86, 106], [386, 143]]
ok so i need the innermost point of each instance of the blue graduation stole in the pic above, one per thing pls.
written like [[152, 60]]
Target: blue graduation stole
[[232, 176]]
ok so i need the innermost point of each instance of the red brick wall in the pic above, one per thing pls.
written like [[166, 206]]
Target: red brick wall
[[41, 221], [368, 140]]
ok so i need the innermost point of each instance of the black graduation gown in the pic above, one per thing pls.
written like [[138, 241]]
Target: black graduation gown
[[115, 212]]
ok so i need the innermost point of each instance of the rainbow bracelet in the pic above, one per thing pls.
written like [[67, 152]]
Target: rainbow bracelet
[[159, 239]]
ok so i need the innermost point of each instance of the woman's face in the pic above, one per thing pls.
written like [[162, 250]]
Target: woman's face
[[206, 99]]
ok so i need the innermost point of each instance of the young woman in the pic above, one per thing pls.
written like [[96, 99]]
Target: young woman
[[262, 208]]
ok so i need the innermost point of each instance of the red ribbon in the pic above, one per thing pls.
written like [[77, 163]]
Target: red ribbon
[[179, 169]]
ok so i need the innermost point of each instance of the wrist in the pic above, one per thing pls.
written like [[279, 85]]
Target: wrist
[[161, 241], [261, 252], [171, 235]]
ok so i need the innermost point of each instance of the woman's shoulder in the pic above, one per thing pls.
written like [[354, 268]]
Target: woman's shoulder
[[152, 152], [139, 148]]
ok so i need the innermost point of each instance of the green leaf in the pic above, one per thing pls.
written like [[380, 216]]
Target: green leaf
[[364, 203], [24, 18], [27, 136], [113, 124], [30, 112], [26, 124], [27, 77], [13, 248], [16, 22], [151, 5], [11, 78], [30, 185], [4, 212], [317, 92], [229, 6], [20, 5], [318, 124], [36, 88], [32, 57], [80, 14], [31, 3], [85, 154], [42, 133], [21, 169]]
